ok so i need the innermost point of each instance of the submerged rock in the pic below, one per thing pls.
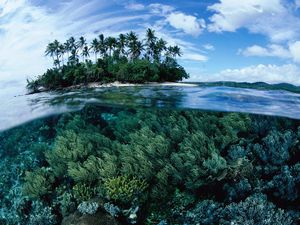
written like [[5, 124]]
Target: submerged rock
[[88, 208], [100, 218]]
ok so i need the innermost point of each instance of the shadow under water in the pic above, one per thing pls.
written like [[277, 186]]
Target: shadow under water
[[167, 164]]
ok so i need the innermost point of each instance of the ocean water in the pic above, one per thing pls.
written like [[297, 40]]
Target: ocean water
[[150, 155]]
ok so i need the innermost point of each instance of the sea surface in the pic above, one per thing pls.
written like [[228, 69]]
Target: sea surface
[[19, 107], [150, 154]]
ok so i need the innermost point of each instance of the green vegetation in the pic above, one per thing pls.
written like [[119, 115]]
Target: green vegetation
[[123, 59], [256, 85]]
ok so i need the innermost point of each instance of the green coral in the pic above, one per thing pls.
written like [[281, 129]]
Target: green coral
[[38, 183], [83, 192], [123, 189], [198, 162], [68, 147], [144, 156]]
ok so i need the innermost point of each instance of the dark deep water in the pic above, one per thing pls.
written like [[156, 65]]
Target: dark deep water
[[151, 155]]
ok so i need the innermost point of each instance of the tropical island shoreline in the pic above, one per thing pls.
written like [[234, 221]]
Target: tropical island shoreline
[[116, 84], [121, 61], [125, 59]]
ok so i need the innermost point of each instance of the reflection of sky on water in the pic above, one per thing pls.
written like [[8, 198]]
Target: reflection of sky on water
[[22, 108]]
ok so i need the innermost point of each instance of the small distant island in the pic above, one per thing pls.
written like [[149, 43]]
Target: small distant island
[[125, 59]]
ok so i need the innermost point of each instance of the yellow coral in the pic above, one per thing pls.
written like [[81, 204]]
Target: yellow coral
[[124, 189]]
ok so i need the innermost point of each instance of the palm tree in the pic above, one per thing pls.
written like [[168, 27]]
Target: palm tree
[[160, 46], [50, 50], [138, 49], [62, 52], [131, 37], [73, 49], [81, 44], [135, 49], [150, 43], [111, 43], [67, 46], [73, 57], [85, 52], [102, 45], [173, 52], [72, 43], [132, 40], [56, 48], [121, 44], [176, 51], [95, 47]]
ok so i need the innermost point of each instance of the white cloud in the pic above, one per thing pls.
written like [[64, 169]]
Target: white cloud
[[297, 4], [272, 50], [190, 51], [135, 6], [25, 30], [295, 51], [287, 73], [194, 57], [161, 9], [209, 47], [271, 18], [189, 24]]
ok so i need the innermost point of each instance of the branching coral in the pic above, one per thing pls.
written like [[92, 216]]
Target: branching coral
[[285, 184], [83, 192], [254, 210], [198, 161], [123, 189], [207, 159], [275, 148], [41, 215], [38, 183]]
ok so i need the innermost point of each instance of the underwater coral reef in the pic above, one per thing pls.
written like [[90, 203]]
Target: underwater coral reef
[[106, 165]]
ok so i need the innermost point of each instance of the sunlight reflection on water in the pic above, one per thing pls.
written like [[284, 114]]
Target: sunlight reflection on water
[[21, 108]]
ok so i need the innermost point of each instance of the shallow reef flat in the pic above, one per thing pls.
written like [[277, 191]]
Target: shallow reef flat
[[116, 165]]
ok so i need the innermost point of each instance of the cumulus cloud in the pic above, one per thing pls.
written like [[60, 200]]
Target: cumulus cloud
[[295, 51], [271, 18], [272, 50], [287, 73], [189, 24]]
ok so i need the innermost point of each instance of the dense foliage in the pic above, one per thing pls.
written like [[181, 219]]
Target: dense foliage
[[158, 167], [124, 59]]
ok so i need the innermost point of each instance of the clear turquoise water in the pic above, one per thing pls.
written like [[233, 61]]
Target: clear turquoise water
[[19, 108], [150, 155]]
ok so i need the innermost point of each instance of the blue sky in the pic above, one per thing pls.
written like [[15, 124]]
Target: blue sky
[[233, 40]]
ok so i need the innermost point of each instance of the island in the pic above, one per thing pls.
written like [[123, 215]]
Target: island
[[126, 59]]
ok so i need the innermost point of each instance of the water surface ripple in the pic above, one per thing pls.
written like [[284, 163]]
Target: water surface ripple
[[24, 108]]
